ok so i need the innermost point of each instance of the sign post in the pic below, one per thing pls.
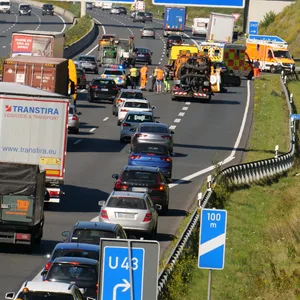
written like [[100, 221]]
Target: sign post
[[123, 265], [212, 241], [253, 27]]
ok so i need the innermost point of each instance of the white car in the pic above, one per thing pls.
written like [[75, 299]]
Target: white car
[[115, 11], [133, 105], [41, 289]]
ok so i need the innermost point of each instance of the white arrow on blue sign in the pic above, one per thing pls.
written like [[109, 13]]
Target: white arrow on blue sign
[[116, 273], [212, 239], [295, 117], [253, 27]]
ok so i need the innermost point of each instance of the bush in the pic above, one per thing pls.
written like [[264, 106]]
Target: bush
[[269, 18]]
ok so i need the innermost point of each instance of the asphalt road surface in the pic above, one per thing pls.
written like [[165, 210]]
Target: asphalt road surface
[[203, 131]]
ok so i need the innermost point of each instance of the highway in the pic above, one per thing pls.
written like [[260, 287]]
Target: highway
[[13, 22], [203, 131]]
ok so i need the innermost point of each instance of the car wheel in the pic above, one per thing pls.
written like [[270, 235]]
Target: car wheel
[[174, 99], [153, 38], [150, 62], [273, 69], [113, 112], [30, 14], [122, 140], [250, 75], [90, 99], [76, 130]]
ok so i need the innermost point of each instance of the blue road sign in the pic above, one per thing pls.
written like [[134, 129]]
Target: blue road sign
[[270, 38], [204, 3], [253, 27], [116, 273], [212, 239], [295, 117]]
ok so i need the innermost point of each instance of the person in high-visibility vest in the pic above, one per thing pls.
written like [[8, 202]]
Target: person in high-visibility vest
[[159, 80], [144, 74], [167, 79], [133, 72], [153, 85]]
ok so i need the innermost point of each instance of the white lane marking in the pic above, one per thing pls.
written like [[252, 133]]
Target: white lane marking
[[232, 155], [40, 21], [212, 244], [38, 277], [181, 114], [63, 21], [159, 63], [177, 120], [187, 103], [77, 142], [105, 119], [3, 46], [185, 108], [172, 127], [81, 91], [104, 32], [93, 129]]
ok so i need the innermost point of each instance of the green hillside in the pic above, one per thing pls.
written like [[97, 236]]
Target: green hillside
[[287, 26]]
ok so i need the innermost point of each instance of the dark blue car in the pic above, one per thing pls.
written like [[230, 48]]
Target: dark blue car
[[152, 155], [71, 250]]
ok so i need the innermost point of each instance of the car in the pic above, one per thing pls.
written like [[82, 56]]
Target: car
[[123, 95], [81, 78], [149, 16], [71, 250], [139, 16], [131, 121], [89, 5], [5, 7], [152, 155], [155, 133], [115, 11], [24, 9], [91, 232], [83, 272], [35, 290], [145, 179], [134, 211], [73, 120], [133, 105], [174, 40], [47, 9], [107, 38], [148, 32], [123, 10], [143, 55], [117, 73], [102, 89], [88, 63]]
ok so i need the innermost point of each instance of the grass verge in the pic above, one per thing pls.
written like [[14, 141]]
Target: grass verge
[[263, 225], [73, 8]]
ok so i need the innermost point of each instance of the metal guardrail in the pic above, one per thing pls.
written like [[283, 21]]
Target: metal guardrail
[[238, 174]]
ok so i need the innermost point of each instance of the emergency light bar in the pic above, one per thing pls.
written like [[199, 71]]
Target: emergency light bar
[[116, 67]]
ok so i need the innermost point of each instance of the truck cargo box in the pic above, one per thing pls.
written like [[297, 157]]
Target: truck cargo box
[[37, 43], [45, 73], [174, 19]]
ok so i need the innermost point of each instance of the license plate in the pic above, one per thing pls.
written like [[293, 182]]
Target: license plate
[[104, 90], [140, 55], [125, 216], [139, 189]]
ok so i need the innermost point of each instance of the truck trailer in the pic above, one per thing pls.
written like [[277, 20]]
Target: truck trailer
[[33, 126], [174, 20], [22, 190]]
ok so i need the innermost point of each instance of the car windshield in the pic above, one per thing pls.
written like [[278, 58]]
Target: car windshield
[[175, 38], [47, 6], [44, 296], [141, 14], [108, 37], [140, 177], [113, 72], [282, 54], [66, 272], [142, 50], [24, 6], [72, 110], [90, 236], [132, 95], [148, 14], [127, 202], [149, 29], [103, 82], [86, 58], [157, 149], [137, 118], [154, 129], [135, 104], [75, 253], [4, 3]]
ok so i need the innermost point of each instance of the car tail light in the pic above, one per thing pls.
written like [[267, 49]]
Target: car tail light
[[83, 77], [148, 217], [94, 86], [120, 101], [123, 109], [160, 188], [23, 236], [147, 54], [118, 185], [175, 88], [135, 156], [139, 135], [74, 118], [97, 288], [54, 194], [103, 214], [167, 137], [74, 263], [167, 159], [126, 124], [169, 41], [115, 89], [48, 265]]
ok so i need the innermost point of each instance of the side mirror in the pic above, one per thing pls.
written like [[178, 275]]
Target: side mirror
[[10, 295], [158, 207], [101, 203], [43, 273], [153, 107], [66, 234], [172, 132], [47, 256], [115, 176]]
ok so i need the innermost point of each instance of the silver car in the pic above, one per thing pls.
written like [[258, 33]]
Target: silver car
[[73, 120], [88, 63], [139, 17], [148, 32], [115, 11], [133, 211], [132, 120], [155, 133]]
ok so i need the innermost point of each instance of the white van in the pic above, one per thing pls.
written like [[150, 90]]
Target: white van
[[107, 5], [200, 26], [5, 7]]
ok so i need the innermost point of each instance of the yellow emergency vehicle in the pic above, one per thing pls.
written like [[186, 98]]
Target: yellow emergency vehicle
[[233, 55], [72, 78]]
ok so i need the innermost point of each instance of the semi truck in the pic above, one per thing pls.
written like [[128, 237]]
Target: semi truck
[[174, 20], [220, 28], [22, 189], [36, 124], [200, 26]]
